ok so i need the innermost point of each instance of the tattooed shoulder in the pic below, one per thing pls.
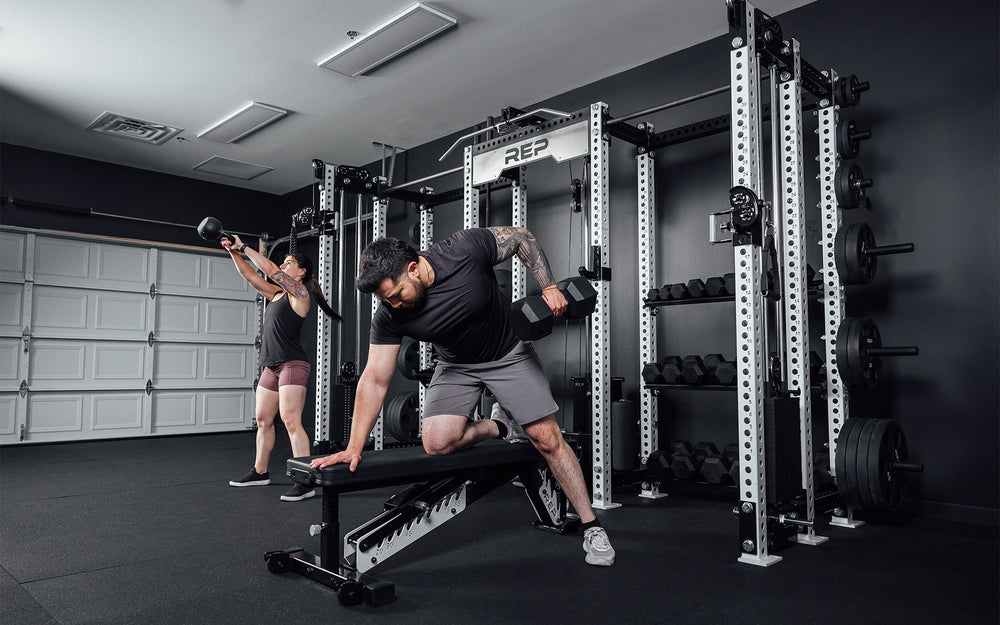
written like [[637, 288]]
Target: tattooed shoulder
[[508, 240], [291, 286]]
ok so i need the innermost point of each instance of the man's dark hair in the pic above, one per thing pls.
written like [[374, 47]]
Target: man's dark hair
[[385, 257]]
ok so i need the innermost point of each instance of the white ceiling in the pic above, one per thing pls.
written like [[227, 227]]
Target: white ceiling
[[191, 63]]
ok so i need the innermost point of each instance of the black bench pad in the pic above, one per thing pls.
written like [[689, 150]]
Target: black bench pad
[[408, 465]]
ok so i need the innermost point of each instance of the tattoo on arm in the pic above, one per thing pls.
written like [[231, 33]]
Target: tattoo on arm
[[511, 241], [291, 286]]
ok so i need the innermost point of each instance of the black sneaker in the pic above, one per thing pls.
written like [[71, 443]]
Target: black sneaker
[[298, 492], [252, 478]]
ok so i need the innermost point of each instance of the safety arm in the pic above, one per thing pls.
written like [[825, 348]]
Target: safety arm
[[512, 240]]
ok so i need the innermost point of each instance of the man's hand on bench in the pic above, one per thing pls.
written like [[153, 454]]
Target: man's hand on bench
[[341, 457]]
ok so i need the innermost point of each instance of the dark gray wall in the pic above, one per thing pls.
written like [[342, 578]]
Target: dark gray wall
[[51, 178], [932, 110]]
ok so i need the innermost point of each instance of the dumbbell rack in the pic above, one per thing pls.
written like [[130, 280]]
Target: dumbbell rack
[[755, 38]]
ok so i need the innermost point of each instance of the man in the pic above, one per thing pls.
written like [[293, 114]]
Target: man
[[448, 295]]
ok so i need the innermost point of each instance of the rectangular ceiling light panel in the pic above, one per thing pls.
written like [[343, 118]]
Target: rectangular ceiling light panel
[[248, 120], [232, 168], [387, 41]]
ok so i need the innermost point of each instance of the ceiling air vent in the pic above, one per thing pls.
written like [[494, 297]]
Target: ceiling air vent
[[232, 168], [132, 128]]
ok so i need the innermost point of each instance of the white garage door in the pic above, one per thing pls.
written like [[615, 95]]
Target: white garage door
[[101, 338]]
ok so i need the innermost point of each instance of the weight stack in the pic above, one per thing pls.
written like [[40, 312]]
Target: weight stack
[[624, 436], [781, 443], [341, 411]]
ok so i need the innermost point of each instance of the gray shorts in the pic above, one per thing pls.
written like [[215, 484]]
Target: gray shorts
[[516, 380]]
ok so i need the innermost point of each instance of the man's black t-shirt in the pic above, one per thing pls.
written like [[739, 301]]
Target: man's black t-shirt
[[464, 313]]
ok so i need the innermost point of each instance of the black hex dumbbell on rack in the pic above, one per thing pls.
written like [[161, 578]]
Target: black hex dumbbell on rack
[[532, 318], [719, 370], [716, 468], [693, 370], [687, 460], [672, 370]]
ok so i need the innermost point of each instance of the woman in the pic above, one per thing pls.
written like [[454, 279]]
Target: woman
[[282, 385]]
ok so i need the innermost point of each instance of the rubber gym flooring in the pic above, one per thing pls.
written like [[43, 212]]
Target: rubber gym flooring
[[148, 531]]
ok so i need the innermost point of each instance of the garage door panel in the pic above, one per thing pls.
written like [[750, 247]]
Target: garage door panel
[[53, 363], [83, 415], [11, 304], [233, 318], [124, 265], [177, 272], [211, 275], [82, 365], [79, 313], [10, 363], [177, 316], [226, 364], [120, 311], [12, 264], [187, 319], [83, 264], [172, 410], [119, 362], [189, 365], [221, 408], [54, 413], [59, 309], [8, 417], [221, 276], [116, 411], [209, 411], [57, 260]]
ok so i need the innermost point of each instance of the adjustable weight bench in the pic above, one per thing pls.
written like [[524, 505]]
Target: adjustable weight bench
[[441, 487]]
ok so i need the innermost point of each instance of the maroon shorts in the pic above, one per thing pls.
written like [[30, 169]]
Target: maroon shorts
[[293, 372]]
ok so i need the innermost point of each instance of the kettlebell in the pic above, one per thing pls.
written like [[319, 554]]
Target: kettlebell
[[210, 229]]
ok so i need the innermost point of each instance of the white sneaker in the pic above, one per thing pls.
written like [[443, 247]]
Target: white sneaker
[[515, 433], [598, 547]]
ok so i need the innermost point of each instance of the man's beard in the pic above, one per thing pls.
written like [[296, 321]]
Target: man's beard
[[421, 297]]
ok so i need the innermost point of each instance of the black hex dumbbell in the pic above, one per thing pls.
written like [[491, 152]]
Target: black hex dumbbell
[[652, 373], [658, 464], [671, 370], [679, 291], [719, 370], [697, 288], [693, 370], [532, 318], [715, 468], [686, 461]]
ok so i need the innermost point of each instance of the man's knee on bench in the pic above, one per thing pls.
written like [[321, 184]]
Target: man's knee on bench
[[443, 434]]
